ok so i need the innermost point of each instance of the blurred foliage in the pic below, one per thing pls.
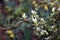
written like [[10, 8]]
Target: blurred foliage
[[30, 19]]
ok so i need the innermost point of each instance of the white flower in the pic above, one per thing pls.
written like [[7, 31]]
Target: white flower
[[34, 20], [52, 26], [53, 9], [42, 21], [38, 28], [44, 31], [24, 16], [33, 12], [36, 16], [58, 9]]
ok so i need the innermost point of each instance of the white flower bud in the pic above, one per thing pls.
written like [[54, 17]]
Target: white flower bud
[[24, 16], [52, 26], [42, 19], [53, 9]]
